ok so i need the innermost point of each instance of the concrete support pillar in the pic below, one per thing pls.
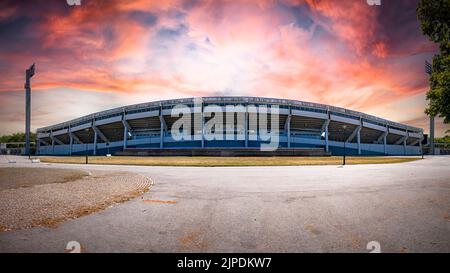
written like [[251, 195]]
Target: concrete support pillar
[[95, 142], [70, 143], [125, 137], [404, 142], [246, 127], [161, 139], [325, 130], [385, 141], [358, 136], [38, 145], [358, 139], [404, 146], [53, 142], [100, 134], [288, 129], [126, 130], [203, 127]]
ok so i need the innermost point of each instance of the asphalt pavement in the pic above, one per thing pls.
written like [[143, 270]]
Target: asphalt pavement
[[404, 207]]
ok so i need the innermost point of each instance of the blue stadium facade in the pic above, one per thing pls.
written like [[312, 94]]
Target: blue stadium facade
[[301, 125]]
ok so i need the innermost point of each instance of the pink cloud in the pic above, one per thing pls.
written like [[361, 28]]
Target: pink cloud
[[322, 51]]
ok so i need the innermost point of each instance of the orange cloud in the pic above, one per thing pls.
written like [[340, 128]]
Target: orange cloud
[[332, 52]]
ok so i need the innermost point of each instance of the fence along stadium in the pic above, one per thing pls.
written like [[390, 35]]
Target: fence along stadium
[[304, 129]]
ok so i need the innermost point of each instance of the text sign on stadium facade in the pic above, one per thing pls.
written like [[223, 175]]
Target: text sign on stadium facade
[[234, 126]]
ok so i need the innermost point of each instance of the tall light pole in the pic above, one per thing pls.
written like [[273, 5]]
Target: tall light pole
[[429, 71], [28, 74]]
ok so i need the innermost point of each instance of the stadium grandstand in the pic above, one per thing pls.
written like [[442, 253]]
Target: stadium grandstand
[[303, 128]]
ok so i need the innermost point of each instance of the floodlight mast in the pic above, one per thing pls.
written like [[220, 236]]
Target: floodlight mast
[[28, 74], [429, 71]]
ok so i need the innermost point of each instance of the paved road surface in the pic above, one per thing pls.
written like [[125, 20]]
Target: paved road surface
[[405, 207]]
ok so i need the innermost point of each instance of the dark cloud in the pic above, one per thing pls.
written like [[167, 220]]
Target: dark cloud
[[19, 22], [14, 33], [191, 4], [171, 33], [36, 9], [144, 18], [399, 28], [301, 14]]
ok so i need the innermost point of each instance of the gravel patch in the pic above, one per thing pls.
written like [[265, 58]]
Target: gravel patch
[[16, 177], [50, 204]]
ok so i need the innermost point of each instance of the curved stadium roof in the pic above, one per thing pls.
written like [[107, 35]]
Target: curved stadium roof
[[234, 99]]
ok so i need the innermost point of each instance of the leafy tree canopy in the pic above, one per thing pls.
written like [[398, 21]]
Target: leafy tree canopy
[[434, 17], [17, 137]]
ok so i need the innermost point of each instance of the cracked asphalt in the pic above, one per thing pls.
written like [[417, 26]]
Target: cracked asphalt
[[405, 207]]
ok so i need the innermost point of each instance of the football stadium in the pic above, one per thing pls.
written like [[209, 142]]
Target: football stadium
[[300, 128]]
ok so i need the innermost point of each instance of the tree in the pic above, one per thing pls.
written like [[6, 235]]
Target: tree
[[17, 137], [434, 17]]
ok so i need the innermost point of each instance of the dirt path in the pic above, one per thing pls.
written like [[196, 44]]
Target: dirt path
[[14, 178], [41, 204]]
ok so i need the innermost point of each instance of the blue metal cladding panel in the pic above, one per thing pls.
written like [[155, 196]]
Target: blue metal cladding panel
[[183, 144], [364, 152], [283, 145], [225, 144], [147, 145], [106, 151], [340, 151], [254, 144], [90, 153], [304, 145]]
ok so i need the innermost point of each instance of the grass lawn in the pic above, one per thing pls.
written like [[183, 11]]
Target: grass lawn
[[204, 161]]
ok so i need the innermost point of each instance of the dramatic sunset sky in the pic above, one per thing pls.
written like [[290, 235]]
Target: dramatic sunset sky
[[105, 54]]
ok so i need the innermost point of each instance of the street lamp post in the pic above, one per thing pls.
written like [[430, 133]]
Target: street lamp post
[[345, 140]]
